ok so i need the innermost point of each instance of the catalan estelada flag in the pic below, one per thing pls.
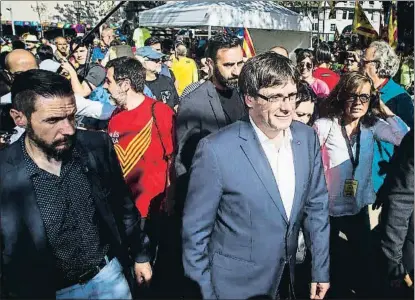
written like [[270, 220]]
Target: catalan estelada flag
[[361, 25], [393, 26], [247, 44]]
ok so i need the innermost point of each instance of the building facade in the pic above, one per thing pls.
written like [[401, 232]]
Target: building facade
[[326, 22]]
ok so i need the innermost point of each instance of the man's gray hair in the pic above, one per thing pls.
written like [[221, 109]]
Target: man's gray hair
[[388, 60]]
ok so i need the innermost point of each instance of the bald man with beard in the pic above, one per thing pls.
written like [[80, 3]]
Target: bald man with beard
[[19, 61]]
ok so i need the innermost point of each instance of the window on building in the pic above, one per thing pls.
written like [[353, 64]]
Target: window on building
[[332, 27], [371, 3], [314, 14], [351, 15], [344, 15], [315, 26]]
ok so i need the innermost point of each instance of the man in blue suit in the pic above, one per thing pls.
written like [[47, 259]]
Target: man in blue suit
[[252, 186]]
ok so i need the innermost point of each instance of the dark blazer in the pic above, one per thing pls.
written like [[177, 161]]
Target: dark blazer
[[200, 113], [27, 262], [397, 218], [237, 238]]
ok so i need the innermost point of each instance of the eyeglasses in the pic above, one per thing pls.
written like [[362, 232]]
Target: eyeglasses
[[365, 62], [364, 98], [279, 98], [305, 65], [350, 61], [156, 60]]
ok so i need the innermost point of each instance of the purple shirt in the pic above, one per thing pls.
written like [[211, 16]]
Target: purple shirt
[[320, 88]]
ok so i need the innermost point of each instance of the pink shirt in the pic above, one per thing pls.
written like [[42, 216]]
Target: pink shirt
[[320, 88]]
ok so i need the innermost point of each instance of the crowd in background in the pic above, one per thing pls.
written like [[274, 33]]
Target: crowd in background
[[357, 97]]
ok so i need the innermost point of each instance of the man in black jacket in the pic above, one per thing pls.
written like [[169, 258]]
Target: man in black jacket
[[397, 219], [69, 228]]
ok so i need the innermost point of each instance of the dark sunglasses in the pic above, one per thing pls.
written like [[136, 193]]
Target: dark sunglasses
[[364, 98], [308, 66], [156, 60]]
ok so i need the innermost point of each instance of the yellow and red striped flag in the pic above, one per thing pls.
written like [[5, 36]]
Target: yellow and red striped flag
[[393, 26], [361, 24], [248, 45]]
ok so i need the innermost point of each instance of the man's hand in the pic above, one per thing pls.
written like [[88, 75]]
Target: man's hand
[[143, 272], [319, 289], [66, 66]]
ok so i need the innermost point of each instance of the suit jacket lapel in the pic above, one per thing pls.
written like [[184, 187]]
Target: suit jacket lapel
[[216, 105], [300, 160], [259, 162], [24, 192]]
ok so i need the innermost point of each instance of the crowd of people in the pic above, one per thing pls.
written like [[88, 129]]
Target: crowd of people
[[146, 172]]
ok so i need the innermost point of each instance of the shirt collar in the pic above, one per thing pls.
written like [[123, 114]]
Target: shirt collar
[[264, 139], [383, 84], [33, 168]]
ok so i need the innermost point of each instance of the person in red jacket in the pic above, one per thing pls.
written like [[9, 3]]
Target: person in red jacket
[[143, 134], [323, 72]]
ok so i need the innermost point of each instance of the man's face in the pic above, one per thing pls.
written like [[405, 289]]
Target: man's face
[[115, 89], [156, 47], [227, 68], [62, 46], [108, 37], [272, 117], [80, 54], [368, 65], [30, 45], [152, 65], [52, 125]]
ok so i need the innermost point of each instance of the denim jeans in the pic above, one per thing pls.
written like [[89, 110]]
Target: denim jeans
[[109, 283]]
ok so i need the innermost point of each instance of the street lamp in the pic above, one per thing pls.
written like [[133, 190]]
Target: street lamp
[[77, 5]]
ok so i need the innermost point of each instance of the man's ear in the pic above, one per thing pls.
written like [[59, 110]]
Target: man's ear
[[18, 117], [126, 85], [210, 63], [249, 101]]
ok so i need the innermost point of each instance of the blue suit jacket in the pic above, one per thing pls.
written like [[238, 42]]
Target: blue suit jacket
[[236, 235]]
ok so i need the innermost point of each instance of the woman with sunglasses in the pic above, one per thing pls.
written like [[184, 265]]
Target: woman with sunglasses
[[354, 119], [352, 61], [305, 66]]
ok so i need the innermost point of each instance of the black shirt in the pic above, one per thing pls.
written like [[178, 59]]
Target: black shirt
[[232, 105], [164, 90], [69, 215]]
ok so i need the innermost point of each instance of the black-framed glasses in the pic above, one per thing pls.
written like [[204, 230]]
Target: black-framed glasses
[[364, 98], [279, 98], [365, 62]]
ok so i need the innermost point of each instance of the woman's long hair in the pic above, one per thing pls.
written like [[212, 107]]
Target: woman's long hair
[[334, 105]]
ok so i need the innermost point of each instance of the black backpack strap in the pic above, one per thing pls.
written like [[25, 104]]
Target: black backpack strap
[[153, 106]]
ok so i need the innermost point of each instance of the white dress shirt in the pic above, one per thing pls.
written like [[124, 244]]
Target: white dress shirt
[[338, 167], [280, 157]]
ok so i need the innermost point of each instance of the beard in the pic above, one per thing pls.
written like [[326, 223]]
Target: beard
[[229, 83], [50, 148], [120, 99]]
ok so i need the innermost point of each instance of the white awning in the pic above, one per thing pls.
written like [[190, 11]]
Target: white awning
[[248, 14]]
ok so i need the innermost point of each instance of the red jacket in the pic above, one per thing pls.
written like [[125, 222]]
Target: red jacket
[[140, 152]]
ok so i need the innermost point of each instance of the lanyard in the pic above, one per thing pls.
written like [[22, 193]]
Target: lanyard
[[354, 160]]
